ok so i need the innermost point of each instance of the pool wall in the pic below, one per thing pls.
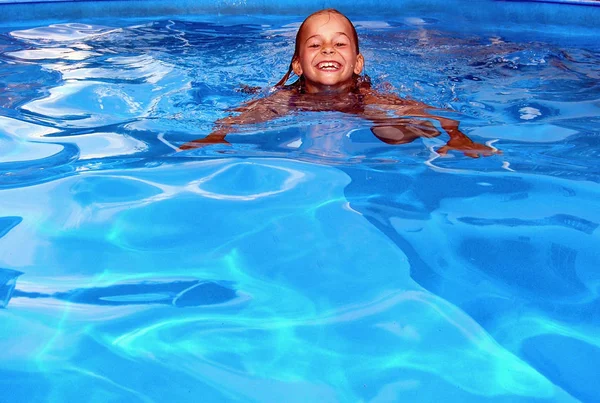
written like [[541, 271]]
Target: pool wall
[[565, 12]]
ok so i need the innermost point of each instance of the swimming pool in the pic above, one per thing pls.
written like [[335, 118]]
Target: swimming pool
[[308, 261]]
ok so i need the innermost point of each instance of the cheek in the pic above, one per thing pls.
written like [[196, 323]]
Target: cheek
[[351, 60], [349, 56], [309, 55], [302, 58]]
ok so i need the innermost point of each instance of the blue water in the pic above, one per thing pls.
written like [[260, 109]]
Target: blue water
[[308, 261]]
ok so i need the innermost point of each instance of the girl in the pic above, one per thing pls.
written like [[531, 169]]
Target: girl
[[328, 63]]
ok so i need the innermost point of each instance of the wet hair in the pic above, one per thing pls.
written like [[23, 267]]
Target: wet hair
[[299, 84]]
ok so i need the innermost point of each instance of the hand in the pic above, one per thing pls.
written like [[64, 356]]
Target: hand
[[468, 148], [206, 141]]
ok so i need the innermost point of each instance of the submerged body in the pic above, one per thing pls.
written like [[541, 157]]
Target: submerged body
[[395, 120], [328, 63]]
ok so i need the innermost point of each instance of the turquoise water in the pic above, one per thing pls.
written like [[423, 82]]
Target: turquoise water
[[308, 261]]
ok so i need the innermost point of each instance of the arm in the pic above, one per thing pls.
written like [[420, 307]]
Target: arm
[[258, 111], [459, 141], [403, 130]]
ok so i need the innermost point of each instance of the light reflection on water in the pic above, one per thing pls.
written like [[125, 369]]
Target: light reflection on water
[[307, 261]]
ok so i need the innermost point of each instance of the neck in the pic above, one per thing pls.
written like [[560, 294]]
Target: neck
[[337, 89]]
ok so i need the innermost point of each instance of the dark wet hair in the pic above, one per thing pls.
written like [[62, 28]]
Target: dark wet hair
[[360, 81]]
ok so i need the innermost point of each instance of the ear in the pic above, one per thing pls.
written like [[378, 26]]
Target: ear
[[360, 63], [297, 67]]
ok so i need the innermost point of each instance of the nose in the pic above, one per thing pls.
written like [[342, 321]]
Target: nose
[[327, 50]]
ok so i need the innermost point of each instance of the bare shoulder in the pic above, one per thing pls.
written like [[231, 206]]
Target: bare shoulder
[[373, 97], [379, 101], [259, 110], [277, 100]]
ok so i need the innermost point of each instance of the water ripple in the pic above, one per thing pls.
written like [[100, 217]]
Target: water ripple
[[313, 261], [69, 32]]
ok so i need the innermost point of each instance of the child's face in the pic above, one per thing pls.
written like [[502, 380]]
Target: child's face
[[327, 54]]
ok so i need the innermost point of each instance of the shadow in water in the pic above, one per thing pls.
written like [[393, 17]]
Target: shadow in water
[[8, 223], [8, 280], [177, 293]]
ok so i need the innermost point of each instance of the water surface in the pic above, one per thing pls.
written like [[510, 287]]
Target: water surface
[[308, 261]]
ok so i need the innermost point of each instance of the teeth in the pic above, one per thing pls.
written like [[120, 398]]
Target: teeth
[[328, 65]]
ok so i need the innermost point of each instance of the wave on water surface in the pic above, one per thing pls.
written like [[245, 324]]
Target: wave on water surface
[[313, 261]]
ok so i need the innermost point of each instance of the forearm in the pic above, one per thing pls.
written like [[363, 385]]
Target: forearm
[[461, 142], [457, 141], [258, 111], [217, 136], [450, 126]]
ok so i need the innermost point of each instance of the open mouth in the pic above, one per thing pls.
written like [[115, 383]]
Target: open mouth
[[329, 66]]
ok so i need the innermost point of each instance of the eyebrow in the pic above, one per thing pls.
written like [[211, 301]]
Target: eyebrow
[[320, 36]]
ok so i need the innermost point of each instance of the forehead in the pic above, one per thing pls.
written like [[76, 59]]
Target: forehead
[[326, 23]]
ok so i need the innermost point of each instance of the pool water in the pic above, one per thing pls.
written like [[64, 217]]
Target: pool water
[[307, 261]]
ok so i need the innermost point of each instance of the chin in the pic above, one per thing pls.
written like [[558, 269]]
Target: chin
[[333, 81]]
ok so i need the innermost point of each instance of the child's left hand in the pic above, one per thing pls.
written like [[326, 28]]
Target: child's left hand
[[468, 148], [206, 141]]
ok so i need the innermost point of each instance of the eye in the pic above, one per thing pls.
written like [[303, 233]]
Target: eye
[[340, 44], [314, 45]]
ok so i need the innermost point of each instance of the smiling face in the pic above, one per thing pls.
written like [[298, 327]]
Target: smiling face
[[327, 54]]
